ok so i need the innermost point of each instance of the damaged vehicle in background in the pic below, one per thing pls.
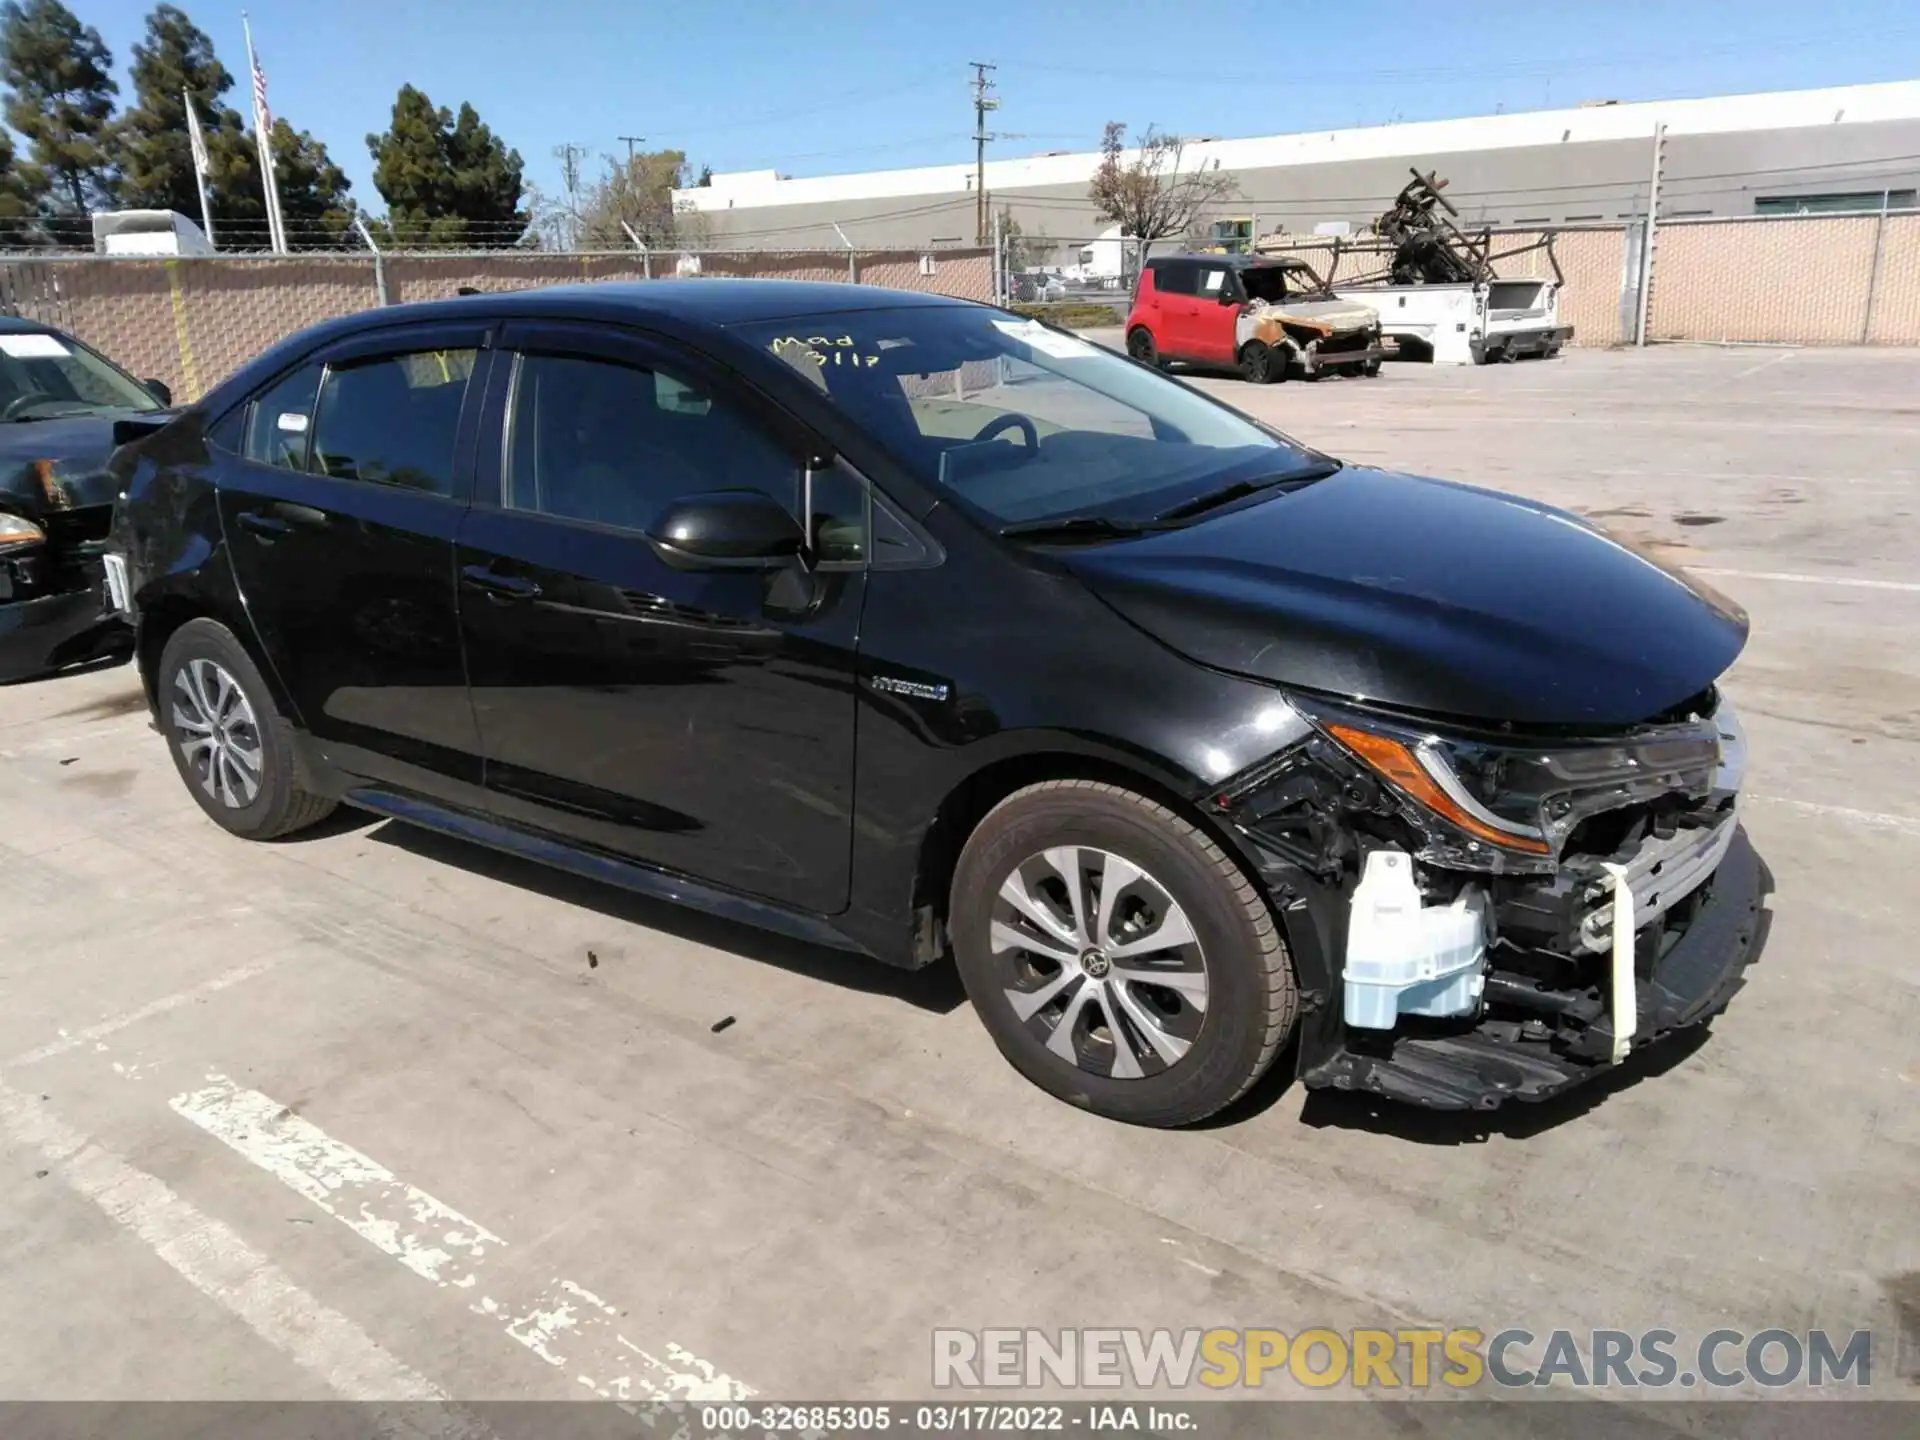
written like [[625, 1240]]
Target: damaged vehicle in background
[[911, 626], [1267, 317], [60, 403]]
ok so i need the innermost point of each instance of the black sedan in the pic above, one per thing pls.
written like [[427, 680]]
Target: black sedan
[[917, 628], [59, 404]]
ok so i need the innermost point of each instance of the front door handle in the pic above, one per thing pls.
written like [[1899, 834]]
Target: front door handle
[[496, 586], [268, 527]]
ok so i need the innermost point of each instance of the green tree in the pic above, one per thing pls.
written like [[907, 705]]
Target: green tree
[[149, 141], [313, 190], [60, 77], [447, 179], [20, 192]]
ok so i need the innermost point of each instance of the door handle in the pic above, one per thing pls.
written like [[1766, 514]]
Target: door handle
[[496, 586], [268, 527]]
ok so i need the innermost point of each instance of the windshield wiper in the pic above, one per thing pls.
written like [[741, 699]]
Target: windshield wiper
[[1075, 527], [1239, 489]]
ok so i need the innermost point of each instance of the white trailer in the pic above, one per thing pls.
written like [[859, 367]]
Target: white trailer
[[1470, 323]]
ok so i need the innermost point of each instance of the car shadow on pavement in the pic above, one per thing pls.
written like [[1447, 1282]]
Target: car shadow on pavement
[[936, 988]]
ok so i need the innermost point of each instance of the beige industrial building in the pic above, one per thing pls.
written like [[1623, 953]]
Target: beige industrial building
[[1843, 149]]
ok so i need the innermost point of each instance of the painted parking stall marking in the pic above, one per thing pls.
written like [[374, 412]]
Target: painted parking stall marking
[[567, 1325]]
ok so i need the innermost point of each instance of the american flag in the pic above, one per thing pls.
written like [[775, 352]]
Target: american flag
[[260, 110]]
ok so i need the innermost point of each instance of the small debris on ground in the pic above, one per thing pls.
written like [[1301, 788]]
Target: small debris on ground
[[593, 961], [70, 760], [720, 1025]]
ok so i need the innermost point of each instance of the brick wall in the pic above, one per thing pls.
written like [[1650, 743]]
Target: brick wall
[[192, 322]]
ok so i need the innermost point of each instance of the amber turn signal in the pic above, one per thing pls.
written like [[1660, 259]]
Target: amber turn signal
[[1394, 763]]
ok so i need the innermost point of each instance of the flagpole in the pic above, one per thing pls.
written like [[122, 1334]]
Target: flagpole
[[200, 160], [263, 139]]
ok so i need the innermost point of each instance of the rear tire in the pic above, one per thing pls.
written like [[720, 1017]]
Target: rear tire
[[230, 743], [1141, 346], [1082, 1000]]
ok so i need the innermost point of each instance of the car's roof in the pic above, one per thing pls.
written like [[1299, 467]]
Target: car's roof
[[20, 325], [702, 301]]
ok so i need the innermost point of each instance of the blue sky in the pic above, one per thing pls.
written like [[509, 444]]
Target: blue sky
[[819, 86]]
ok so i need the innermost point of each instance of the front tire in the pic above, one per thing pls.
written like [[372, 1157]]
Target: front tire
[[1117, 955], [231, 745], [1260, 365]]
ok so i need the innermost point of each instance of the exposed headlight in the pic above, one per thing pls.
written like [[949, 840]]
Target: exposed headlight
[[18, 533], [1511, 804]]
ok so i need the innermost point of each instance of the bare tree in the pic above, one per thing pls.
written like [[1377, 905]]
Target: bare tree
[[1153, 194]]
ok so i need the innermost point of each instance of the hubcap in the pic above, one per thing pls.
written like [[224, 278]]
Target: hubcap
[[1099, 962], [216, 731]]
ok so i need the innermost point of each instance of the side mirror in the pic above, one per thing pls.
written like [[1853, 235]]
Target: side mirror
[[1227, 297], [160, 390], [726, 530]]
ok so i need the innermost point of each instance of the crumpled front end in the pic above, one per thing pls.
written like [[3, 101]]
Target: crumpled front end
[[1320, 334], [54, 610], [1480, 917]]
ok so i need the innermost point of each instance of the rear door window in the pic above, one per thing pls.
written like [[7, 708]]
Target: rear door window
[[393, 419], [1174, 278], [279, 420]]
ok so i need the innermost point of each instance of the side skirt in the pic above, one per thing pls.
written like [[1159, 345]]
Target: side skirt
[[593, 865]]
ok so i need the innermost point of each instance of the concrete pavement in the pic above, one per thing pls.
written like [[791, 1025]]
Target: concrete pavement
[[378, 1115]]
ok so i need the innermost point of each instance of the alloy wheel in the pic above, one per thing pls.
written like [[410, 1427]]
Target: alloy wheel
[[1099, 962], [216, 730]]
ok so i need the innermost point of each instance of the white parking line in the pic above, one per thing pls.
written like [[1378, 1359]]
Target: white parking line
[[222, 1266], [433, 1240], [73, 1040], [566, 1325], [1848, 582], [1906, 824]]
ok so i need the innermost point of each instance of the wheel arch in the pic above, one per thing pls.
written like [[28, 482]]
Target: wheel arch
[[163, 615], [972, 798]]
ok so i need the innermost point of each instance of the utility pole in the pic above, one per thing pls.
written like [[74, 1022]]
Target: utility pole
[[983, 102], [632, 140], [1647, 237]]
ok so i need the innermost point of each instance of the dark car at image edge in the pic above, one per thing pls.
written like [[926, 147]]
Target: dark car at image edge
[[909, 626], [60, 406]]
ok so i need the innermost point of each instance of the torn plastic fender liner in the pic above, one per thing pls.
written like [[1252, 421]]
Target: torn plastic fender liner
[[1405, 958]]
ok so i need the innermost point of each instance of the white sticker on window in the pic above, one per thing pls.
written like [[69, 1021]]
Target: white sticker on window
[[1047, 342], [292, 421], [1213, 280], [33, 347]]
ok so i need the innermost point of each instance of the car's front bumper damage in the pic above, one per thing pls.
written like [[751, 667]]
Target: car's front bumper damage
[[54, 606], [1436, 973]]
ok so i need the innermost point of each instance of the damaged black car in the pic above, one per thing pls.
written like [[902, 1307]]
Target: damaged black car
[[59, 405], [917, 628]]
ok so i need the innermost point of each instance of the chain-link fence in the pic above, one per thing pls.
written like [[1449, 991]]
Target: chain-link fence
[[191, 321]]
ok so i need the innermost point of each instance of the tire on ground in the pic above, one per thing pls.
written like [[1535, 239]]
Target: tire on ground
[[1252, 999], [281, 806]]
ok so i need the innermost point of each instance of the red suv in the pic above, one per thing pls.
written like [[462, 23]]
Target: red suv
[[1269, 317]]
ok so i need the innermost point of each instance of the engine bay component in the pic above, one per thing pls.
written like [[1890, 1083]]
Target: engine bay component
[[1406, 958]]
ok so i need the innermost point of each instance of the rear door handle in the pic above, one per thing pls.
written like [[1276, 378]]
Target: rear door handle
[[267, 526], [496, 586]]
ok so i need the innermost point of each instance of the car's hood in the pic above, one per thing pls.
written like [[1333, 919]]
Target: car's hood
[[1338, 315], [74, 450], [1429, 596]]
